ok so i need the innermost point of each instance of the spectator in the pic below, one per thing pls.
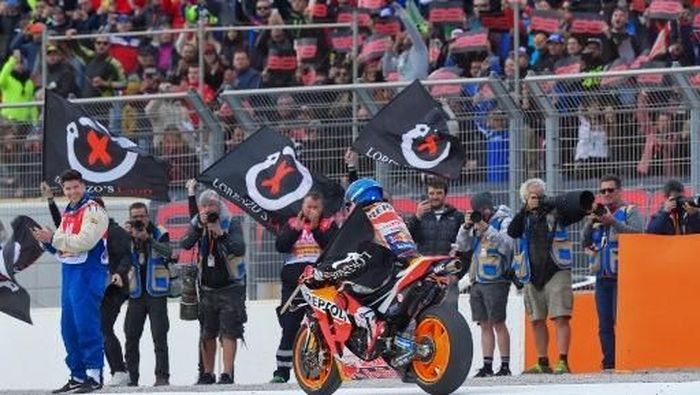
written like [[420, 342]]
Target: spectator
[[232, 42], [80, 245], [600, 241], [17, 87], [119, 252], [84, 19], [213, 70], [436, 223], [181, 156], [61, 76], [149, 286], [59, 22], [624, 44], [302, 239], [29, 44], [167, 57], [573, 46], [411, 59], [489, 250], [674, 218], [168, 115], [545, 250], [103, 74], [222, 283], [246, 77], [191, 83], [555, 52], [10, 159], [188, 58], [125, 48]]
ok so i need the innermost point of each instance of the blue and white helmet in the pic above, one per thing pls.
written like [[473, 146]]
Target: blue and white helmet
[[364, 191]]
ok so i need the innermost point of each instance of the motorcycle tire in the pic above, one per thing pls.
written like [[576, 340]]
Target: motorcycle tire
[[447, 366]]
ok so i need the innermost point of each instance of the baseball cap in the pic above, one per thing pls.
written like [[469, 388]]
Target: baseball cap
[[123, 18], [35, 28], [455, 33], [594, 40], [52, 48], [556, 38]]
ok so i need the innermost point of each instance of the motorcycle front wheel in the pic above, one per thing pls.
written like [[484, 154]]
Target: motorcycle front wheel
[[314, 366]]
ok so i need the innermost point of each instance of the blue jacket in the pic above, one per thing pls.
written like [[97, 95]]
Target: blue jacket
[[249, 79], [157, 273], [661, 223]]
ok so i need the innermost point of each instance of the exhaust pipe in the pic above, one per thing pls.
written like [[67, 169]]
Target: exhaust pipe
[[453, 266]]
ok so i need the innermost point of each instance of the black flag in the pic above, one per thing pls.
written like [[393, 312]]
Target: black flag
[[19, 252], [263, 177], [412, 131], [111, 166]]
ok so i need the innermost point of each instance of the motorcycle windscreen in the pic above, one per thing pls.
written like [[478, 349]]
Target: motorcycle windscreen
[[356, 230]]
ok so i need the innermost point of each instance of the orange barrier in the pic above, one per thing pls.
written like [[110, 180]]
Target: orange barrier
[[658, 324], [585, 355]]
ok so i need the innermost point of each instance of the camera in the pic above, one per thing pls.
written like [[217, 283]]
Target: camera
[[600, 210], [138, 225], [476, 216], [212, 217], [682, 200]]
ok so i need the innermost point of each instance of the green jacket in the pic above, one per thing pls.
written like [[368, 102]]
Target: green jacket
[[14, 91]]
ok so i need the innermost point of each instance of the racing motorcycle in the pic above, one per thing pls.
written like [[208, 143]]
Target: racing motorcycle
[[424, 337]]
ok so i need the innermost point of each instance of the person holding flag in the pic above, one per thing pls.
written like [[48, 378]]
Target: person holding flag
[[80, 245]]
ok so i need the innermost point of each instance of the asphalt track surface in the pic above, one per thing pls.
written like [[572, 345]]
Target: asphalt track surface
[[659, 383]]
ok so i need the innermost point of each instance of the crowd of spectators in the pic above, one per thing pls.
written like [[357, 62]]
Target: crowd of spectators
[[401, 40]]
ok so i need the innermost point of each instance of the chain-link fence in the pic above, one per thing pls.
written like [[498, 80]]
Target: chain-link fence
[[568, 130]]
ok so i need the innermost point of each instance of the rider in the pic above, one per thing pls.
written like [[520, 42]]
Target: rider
[[371, 267]]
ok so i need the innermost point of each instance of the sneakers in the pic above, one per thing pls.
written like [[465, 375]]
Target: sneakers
[[119, 379], [206, 379], [562, 368], [538, 369], [90, 385], [278, 380], [225, 378], [504, 371], [484, 372], [161, 382], [70, 386]]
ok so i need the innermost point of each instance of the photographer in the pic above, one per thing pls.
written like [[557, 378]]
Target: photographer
[[545, 250], [485, 238], [149, 286], [600, 240], [222, 283], [119, 252], [678, 215], [302, 239]]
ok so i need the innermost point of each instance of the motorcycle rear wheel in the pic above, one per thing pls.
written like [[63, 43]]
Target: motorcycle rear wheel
[[447, 366]]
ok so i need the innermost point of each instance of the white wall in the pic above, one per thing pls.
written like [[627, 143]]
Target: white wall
[[32, 356]]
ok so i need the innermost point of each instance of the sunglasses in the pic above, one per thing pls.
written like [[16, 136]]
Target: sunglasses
[[604, 191]]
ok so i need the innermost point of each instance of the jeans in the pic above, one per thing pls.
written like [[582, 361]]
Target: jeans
[[157, 311], [606, 304]]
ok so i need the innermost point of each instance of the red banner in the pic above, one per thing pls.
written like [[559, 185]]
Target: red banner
[[371, 4], [570, 65], [446, 12], [546, 21], [387, 26], [345, 16], [281, 61], [618, 65], [374, 48], [587, 23], [470, 42], [306, 48], [341, 40], [319, 10], [665, 9], [497, 21]]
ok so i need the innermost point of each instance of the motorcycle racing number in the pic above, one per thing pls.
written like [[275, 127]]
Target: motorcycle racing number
[[324, 305]]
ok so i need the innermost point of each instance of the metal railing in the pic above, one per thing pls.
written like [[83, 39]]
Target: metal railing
[[568, 130]]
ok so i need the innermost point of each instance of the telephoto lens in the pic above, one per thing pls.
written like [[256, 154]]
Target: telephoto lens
[[212, 217], [475, 216]]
